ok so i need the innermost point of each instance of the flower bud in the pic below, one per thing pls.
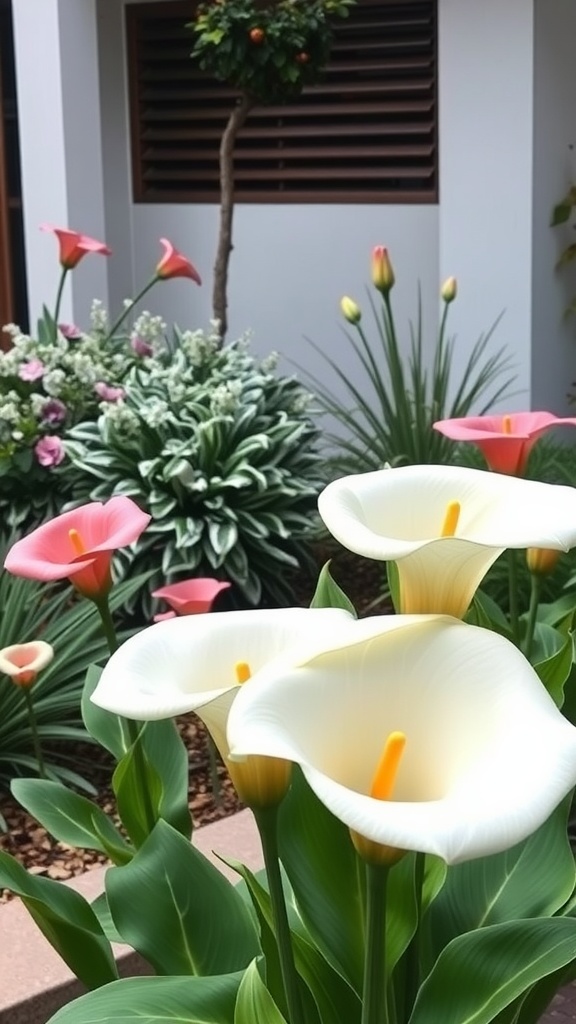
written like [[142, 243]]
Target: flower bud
[[350, 310], [541, 561], [449, 290], [382, 272]]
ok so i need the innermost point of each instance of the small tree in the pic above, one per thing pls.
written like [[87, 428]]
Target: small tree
[[268, 50]]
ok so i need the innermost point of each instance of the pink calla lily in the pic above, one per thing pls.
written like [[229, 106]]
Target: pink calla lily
[[79, 545], [23, 662], [175, 264], [190, 597], [505, 441], [74, 246]]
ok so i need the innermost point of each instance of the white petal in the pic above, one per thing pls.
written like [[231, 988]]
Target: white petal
[[488, 756], [390, 513], [177, 665]]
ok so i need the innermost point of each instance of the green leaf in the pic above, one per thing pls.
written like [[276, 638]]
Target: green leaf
[[333, 997], [481, 972], [71, 818], [102, 725], [138, 790], [156, 1001], [329, 595], [324, 872], [393, 584], [553, 666], [66, 920], [201, 925], [165, 749], [254, 1004], [533, 879]]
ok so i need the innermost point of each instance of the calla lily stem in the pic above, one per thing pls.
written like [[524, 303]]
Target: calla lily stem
[[532, 614], [131, 729], [513, 595], [267, 822], [413, 951], [374, 990], [26, 690], [120, 320], [59, 299]]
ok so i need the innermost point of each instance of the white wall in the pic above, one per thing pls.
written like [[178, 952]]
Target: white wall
[[486, 88], [60, 144], [554, 336], [290, 265], [503, 161]]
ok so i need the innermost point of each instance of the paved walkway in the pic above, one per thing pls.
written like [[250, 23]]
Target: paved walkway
[[563, 1008]]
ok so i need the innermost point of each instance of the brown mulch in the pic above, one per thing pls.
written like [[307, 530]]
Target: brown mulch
[[37, 851]]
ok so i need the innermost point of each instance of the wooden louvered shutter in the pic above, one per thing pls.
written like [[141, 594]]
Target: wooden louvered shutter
[[366, 133]]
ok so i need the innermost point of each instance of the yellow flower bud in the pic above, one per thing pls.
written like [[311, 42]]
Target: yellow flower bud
[[382, 271], [449, 290], [541, 561], [350, 310]]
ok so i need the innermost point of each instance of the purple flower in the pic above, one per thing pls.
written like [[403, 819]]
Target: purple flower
[[32, 370], [107, 393], [49, 451], [54, 412], [70, 331], [140, 347]]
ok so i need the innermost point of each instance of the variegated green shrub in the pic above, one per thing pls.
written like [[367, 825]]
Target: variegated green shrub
[[221, 451]]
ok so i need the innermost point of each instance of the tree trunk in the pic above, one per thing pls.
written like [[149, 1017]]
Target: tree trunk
[[219, 294]]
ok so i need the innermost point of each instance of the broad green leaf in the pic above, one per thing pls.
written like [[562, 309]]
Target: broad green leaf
[[201, 925], [102, 725], [486, 613], [334, 998], [166, 751], [102, 911], [533, 879], [482, 972], [329, 595], [71, 818], [553, 660], [138, 790], [156, 1001], [325, 874], [254, 1004], [66, 920]]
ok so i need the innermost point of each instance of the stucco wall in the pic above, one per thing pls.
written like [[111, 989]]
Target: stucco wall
[[291, 264], [554, 336], [486, 88], [507, 89]]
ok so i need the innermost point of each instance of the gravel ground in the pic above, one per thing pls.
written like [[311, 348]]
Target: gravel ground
[[42, 855]]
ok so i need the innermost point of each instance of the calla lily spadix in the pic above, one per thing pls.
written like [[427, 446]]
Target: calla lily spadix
[[199, 663], [445, 526], [487, 755]]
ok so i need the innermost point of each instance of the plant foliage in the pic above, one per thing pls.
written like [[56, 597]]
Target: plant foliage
[[223, 455], [389, 406], [33, 611]]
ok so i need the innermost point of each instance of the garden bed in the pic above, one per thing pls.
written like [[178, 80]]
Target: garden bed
[[39, 853]]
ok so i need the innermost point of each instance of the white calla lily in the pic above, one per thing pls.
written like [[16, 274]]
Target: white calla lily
[[487, 758], [401, 514], [190, 664]]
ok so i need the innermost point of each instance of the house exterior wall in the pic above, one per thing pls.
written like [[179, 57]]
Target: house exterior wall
[[60, 144], [554, 335], [292, 263], [486, 141]]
